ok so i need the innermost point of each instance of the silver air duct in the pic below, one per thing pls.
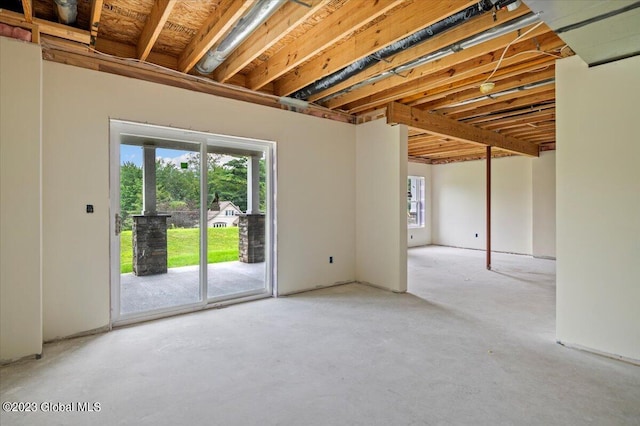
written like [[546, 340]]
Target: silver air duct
[[67, 11], [247, 25]]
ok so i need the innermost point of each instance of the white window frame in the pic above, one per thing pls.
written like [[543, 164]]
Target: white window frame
[[415, 201]]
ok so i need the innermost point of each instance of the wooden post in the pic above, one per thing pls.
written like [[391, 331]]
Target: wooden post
[[489, 207]]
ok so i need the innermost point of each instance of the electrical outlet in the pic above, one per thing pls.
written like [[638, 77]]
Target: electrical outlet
[[476, 235], [330, 259], [89, 208]]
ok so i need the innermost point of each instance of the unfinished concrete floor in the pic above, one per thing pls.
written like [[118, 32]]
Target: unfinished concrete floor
[[468, 346]]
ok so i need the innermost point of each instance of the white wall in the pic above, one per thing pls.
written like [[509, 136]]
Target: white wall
[[544, 205], [459, 205], [315, 194], [381, 197], [421, 236], [598, 205], [20, 198]]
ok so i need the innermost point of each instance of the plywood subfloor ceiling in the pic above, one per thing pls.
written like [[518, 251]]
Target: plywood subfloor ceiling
[[306, 41]]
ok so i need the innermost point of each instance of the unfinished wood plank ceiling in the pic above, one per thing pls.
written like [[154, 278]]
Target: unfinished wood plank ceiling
[[350, 59]]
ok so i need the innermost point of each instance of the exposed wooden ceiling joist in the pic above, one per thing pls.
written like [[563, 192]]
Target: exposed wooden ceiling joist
[[27, 7], [383, 33], [337, 26], [436, 124], [211, 32], [299, 45], [456, 34], [283, 21], [157, 18], [94, 21], [462, 63]]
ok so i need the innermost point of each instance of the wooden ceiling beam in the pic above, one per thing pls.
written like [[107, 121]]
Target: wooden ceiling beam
[[27, 9], [45, 27], [214, 28], [441, 149], [454, 35], [450, 153], [123, 50], [506, 114], [530, 117], [455, 90], [147, 72], [94, 21], [394, 27], [436, 124], [155, 22], [458, 158], [470, 90], [441, 84], [283, 21], [484, 53], [448, 70], [425, 84], [335, 27], [522, 101], [448, 110]]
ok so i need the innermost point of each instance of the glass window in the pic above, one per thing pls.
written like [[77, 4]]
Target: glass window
[[415, 201]]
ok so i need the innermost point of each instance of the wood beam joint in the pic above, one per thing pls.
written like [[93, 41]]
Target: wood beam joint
[[398, 113]]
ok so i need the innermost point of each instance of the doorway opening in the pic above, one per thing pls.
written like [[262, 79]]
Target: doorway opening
[[192, 223]]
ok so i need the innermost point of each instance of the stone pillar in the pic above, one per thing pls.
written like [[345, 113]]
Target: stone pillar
[[253, 185], [149, 242], [251, 238]]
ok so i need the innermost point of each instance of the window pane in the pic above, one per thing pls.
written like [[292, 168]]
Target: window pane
[[415, 201]]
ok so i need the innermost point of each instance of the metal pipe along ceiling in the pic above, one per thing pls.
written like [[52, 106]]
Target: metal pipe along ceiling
[[247, 25], [490, 34], [67, 11], [393, 49]]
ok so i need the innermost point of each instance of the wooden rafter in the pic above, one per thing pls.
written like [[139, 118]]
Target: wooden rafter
[[413, 89], [27, 7], [60, 52], [156, 20], [94, 21], [489, 102], [436, 124], [283, 21], [515, 103], [394, 27], [335, 27], [470, 90], [211, 32], [484, 53], [45, 27], [454, 35]]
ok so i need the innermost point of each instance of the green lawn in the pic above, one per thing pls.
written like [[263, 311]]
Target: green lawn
[[183, 247]]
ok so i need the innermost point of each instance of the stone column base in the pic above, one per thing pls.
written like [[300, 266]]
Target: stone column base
[[251, 238]]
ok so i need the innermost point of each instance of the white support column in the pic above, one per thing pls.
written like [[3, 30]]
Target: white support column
[[149, 181], [253, 185]]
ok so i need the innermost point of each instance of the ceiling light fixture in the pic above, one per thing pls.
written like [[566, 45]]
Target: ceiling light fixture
[[487, 86]]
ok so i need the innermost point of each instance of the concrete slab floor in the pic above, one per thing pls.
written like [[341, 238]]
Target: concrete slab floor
[[467, 346]]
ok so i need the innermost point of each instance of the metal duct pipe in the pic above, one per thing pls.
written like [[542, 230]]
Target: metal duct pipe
[[504, 92], [247, 25], [67, 11], [393, 49], [489, 34]]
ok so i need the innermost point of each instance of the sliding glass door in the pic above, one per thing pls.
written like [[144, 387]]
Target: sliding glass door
[[186, 232]]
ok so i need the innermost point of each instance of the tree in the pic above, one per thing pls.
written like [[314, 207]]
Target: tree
[[130, 192]]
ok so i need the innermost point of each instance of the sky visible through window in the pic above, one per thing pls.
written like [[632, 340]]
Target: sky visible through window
[[133, 154]]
